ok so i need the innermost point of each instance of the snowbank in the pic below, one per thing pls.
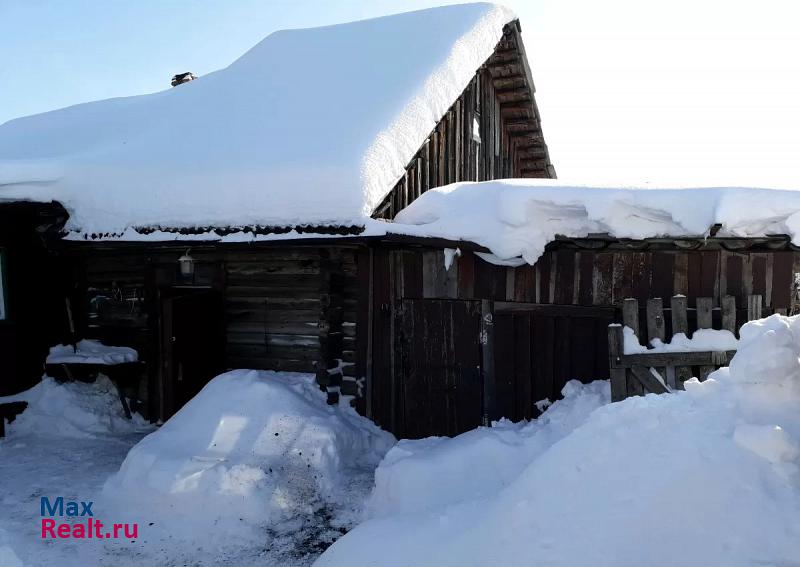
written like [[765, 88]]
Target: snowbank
[[251, 450], [91, 352], [73, 409], [409, 478], [310, 126], [708, 476], [518, 217]]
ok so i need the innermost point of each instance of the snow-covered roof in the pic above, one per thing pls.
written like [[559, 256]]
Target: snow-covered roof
[[309, 127], [519, 217]]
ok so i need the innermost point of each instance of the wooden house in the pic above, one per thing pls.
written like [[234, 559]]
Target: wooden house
[[375, 314]]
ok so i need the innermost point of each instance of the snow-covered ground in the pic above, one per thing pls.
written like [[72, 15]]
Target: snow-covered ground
[[709, 476], [255, 470]]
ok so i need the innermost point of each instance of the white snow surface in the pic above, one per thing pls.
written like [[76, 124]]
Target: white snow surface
[[90, 351], [715, 340], [73, 409], [410, 477], [255, 456], [309, 127], [518, 217], [706, 476]]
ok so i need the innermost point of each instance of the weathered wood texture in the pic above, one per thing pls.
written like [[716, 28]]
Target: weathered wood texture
[[492, 131], [288, 308], [639, 373], [440, 386], [569, 275], [550, 319]]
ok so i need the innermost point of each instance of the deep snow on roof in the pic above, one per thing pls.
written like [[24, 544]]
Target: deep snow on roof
[[519, 217], [310, 126]]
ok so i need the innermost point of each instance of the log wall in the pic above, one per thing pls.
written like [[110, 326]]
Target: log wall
[[291, 308]]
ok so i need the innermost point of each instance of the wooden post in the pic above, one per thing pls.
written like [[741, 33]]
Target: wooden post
[[487, 360], [630, 314], [753, 307], [655, 326], [729, 313], [704, 321], [368, 387], [704, 306], [619, 388], [655, 319], [680, 322]]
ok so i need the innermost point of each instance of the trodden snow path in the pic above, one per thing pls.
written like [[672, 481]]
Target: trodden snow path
[[33, 466], [256, 470]]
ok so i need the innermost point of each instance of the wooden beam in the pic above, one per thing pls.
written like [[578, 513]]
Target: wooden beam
[[650, 382], [487, 360], [551, 310], [619, 386], [672, 359], [630, 314]]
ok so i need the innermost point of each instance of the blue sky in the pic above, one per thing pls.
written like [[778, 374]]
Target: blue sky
[[680, 92]]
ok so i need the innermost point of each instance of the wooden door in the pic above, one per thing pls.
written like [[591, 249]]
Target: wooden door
[[192, 345], [537, 353], [440, 382]]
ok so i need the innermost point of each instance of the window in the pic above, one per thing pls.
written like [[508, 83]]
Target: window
[[3, 302]]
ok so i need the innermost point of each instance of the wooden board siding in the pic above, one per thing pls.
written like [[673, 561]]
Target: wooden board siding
[[441, 386], [550, 318], [508, 141], [581, 277]]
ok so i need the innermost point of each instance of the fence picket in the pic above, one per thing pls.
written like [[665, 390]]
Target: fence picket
[[729, 313], [680, 321], [753, 307], [704, 306], [630, 314]]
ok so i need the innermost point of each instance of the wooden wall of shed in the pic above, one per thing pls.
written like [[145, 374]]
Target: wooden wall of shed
[[508, 140], [574, 276], [580, 285], [286, 307]]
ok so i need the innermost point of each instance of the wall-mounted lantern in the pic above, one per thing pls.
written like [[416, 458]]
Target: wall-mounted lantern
[[186, 263]]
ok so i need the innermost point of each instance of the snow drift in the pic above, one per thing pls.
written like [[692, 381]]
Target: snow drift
[[518, 217], [74, 409], [252, 450], [708, 476], [310, 126]]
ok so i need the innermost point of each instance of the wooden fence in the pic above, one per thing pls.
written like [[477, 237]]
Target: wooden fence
[[636, 374]]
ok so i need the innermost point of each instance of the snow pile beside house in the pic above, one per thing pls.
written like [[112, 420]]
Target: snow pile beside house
[[409, 478], [309, 127], [518, 217], [252, 451], [709, 476], [73, 409]]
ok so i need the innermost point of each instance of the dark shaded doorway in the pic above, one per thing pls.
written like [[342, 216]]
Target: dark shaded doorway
[[192, 344]]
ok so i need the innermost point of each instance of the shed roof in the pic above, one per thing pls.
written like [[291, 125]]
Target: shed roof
[[309, 127]]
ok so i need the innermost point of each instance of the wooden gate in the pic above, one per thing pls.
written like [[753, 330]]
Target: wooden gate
[[462, 364], [636, 374], [539, 348], [440, 386]]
